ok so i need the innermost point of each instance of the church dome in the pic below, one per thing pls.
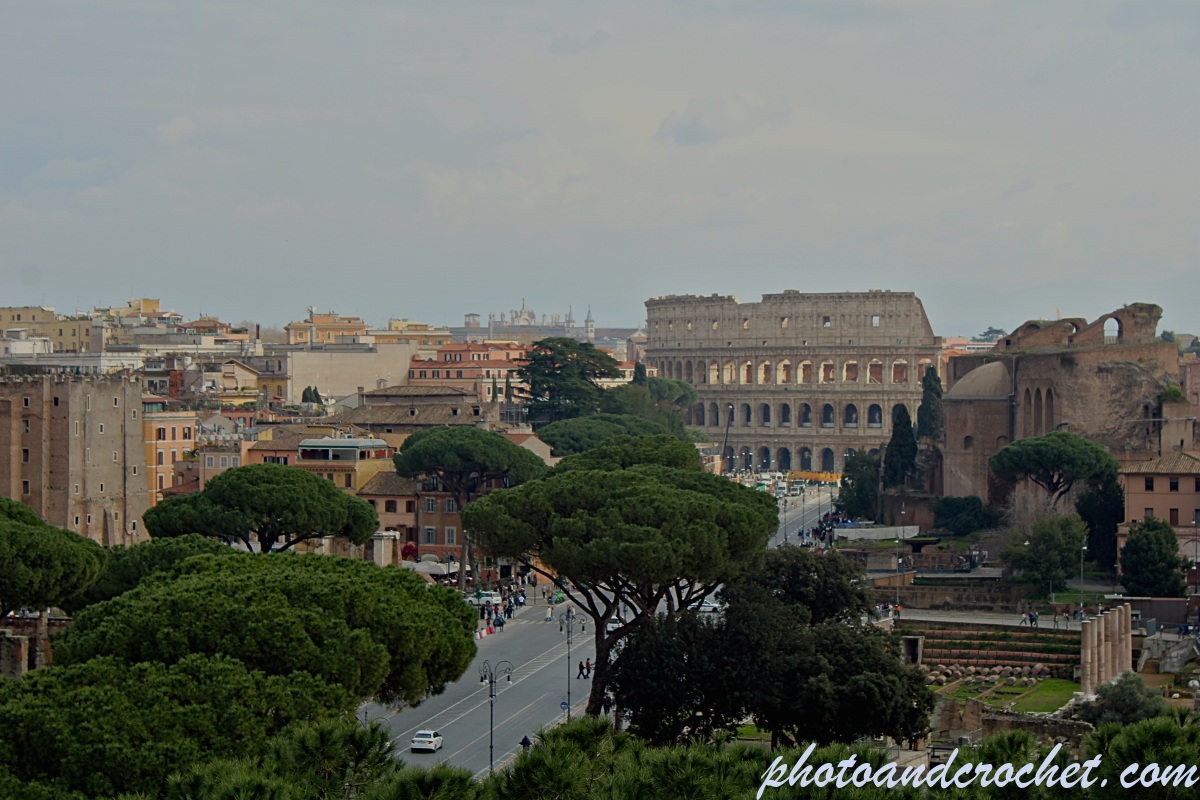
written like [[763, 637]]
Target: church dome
[[990, 380]]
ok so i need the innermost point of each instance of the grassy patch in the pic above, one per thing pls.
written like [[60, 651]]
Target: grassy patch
[[750, 731], [1050, 695]]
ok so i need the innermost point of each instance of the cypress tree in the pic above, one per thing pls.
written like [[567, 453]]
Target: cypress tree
[[930, 418], [901, 457]]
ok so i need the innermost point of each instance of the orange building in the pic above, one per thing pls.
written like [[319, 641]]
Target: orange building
[[1166, 488], [349, 463], [169, 436], [323, 328], [473, 367]]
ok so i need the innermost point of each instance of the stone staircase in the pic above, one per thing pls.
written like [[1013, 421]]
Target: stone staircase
[[1150, 667]]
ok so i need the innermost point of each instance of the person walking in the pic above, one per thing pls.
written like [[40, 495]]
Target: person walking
[[587, 668], [1055, 620], [580, 675], [1025, 619]]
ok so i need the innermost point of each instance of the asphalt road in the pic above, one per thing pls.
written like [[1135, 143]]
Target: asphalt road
[[541, 672], [803, 513]]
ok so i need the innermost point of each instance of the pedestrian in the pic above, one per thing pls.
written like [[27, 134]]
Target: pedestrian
[[580, 675], [587, 668], [897, 611], [607, 702], [1055, 620], [1025, 620], [525, 743], [549, 615], [500, 624], [1035, 619]]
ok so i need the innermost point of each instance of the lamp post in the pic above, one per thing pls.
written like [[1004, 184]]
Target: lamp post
[[487, 677], [566, 624], [725, 446]]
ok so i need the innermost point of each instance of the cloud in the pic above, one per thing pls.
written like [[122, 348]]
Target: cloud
[[708, 119], [176, 131]]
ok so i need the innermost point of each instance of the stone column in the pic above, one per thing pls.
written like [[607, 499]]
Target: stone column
[[1102, 649], [1085, 658], [1117, 660], [1128, 636]]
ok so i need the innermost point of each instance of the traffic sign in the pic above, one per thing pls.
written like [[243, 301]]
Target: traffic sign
[[563, 705]]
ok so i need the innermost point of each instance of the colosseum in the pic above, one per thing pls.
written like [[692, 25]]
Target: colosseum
[[799, 381]]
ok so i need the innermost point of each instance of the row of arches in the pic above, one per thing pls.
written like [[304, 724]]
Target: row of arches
[[1037, 412], [789, 415], [787, 372], [802, 459]]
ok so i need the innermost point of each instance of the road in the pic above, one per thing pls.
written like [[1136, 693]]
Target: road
[[802, 513], [538, 653]]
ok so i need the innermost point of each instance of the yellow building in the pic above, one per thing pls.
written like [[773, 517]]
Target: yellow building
[[349, 463], [169, 435], [68, 334]]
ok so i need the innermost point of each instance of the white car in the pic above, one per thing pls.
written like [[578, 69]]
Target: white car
[[706, 606], [427, 740]]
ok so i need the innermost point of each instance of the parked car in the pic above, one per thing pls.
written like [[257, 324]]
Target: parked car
[[427, 740], [483, 599], [706, 607]]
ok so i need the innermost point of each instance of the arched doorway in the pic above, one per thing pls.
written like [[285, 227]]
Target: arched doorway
[[747, 459], [714, 415], [746, 415], [805, 415], [806, 463], [698, 415], [827, 460], [764, 458], [874, 416], [783, 459], [850, 416], [785, 415], [764, 411], [827, 416]]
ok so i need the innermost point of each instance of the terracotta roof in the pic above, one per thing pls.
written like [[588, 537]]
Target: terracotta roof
[[426, 416], [290, 442], [417, 391], [1171, 464], [389, 484], [190, 487]]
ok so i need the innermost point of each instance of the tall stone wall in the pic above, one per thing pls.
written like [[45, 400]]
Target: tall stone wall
[[796, 381]]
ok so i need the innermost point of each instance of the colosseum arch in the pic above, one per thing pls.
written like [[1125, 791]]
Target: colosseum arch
[[728, 460], [714, 373], [785, 415], [968, 443], [827, 372], [896, 410], [874, 451], [746, 459], [805, 373], [1038, 430], [764, 458], [729, 373], [698, 415], [826, 460], [922, 367], [678, 370], [847, 454], [746, 414], [875, 371], [827, 416], [747, 372], [850, 372], [805, 414], [687, 372], [783, 372], [900, 371], [714, 415], [783, 459], [764, 415], [764, 373], [874, 416], [850, 416], [701, 372]]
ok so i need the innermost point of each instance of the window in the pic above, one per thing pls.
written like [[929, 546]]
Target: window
[[135, 469], [1174, 484], [133, 413], [115, 404], [235, 461], [173, 433], [210, 461], [450, 535], [874, 320], [422, 373], [135, 525], [77, 521], [25, 454], [102, 427], [56, 401], [454, 411], [25, 402], [412, 373], [1173, 516], [450, 505], [431, 536], [389, 506], [160, 434], [76, 428], [826, 322], [430, 505], [410, 506], [116, 515], [187, 433], [224, 460], [25, 426], [102, 488], [89, 519], [349, 480], [114, 456], [24, 487], [1149, 513], [160, 458], [1149, 484], [459, 373]]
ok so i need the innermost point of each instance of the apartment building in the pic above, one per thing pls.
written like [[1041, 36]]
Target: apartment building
[[169, 435], [71, 448]]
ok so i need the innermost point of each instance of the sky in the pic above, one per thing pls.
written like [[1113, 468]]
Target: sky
[[422, 160]]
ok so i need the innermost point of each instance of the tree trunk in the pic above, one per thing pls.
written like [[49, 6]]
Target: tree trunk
[[599, 672]]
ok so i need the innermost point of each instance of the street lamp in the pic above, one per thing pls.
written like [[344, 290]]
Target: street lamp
[[566, 624], [487, 677]]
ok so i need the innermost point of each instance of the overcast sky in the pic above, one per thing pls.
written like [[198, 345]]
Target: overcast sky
[[428, 159]]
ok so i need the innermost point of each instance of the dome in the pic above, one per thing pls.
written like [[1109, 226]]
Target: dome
[[990, 380]]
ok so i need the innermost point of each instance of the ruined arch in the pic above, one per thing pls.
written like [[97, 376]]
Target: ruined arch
[[875, 371], [1038, 420], [805, 373], [1001, 441], [806, 420], [1049, 408], [850, 372], [827, 416], [875, 416], [827, 371], [968, 442], [900, 371], [1113, 330], [850, 416]]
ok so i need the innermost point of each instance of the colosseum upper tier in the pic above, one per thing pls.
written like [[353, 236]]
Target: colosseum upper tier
[[799, 381]]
